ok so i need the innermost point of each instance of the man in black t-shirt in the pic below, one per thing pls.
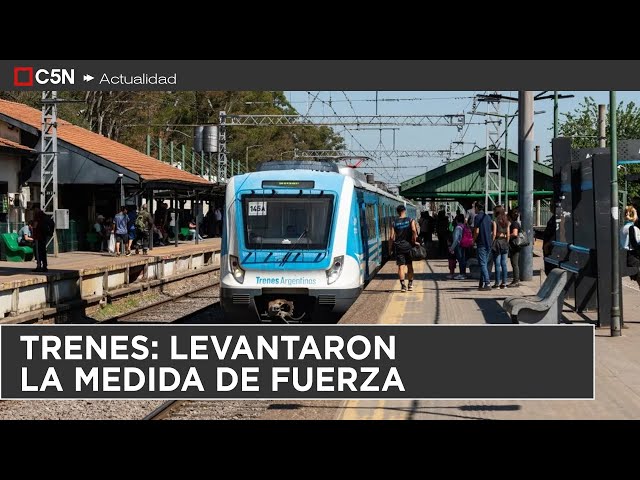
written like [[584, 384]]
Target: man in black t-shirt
[[403, 237]]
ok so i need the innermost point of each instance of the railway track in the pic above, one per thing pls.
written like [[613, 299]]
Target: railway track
[[169, 310], [164, 410]]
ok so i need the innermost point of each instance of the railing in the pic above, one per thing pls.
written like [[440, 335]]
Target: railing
[[204, 165]]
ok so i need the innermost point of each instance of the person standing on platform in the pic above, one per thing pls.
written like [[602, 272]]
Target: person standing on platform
[[144, 228], [217, 215], [457, 248], [514, 250], [630, 242], [482, 238], [549, 236], [403, 237], [132, 214], [42, 231], [500, 246], [442, 231], [121, 225]]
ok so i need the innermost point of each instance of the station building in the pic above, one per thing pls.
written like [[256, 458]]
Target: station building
[[95, 174]]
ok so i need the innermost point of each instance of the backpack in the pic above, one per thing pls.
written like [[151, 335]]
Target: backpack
[[467, 237], [633, 242], [48, 226], [141, 224]]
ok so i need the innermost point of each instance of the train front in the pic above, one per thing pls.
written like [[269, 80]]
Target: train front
[[285, 247]]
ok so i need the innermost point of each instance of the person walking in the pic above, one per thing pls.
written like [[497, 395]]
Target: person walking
[[500, 245], [483, 239], [121, 226], [630, 242], [403, 237], [514, 249], [457, 247]]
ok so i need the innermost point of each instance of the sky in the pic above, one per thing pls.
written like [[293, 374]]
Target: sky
[[427, 137]]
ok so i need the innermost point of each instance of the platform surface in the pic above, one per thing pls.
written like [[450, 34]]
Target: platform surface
[[438, 300], [74, 262]]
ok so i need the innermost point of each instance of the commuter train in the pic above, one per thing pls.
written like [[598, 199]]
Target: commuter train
[[301, 239]]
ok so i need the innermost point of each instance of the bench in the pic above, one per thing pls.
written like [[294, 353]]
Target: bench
[[14, 252], [545, 307]]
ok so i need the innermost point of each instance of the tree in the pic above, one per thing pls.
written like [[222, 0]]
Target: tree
[[128, 117], [582, 126]]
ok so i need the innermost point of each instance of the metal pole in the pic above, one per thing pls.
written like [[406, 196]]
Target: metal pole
[[538, 212], [602, 126], [151, 211], [615, 267], [171, 153], [148, 145], [525, 177], [506, 162], [195, 215], [176, 228], [555, 114], [159, 148], [183, 155], [246, 160]]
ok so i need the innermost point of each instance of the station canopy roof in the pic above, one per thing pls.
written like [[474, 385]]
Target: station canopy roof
[[89, 158], [464, 178], [8, 146]]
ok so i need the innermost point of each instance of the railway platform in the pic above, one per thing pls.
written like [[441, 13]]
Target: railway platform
[[438, 300], [76, 280]]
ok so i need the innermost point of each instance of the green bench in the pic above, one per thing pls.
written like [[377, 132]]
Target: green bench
[[14, 252]]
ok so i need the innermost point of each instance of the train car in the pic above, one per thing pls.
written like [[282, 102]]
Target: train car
[[301, 239]]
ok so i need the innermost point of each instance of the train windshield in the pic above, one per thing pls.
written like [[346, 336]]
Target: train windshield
[[287, 221]]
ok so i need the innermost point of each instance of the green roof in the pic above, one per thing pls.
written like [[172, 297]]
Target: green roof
[[465, 177]]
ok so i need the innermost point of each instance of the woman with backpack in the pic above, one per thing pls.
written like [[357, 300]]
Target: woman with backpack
[[630, 241], [514, 248], [462, 240], [500, 246]]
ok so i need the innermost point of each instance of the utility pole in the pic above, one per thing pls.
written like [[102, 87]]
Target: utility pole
[[615, 267], [506, 163], [49, 160], [525, 177], [555, 114], [602, 126]]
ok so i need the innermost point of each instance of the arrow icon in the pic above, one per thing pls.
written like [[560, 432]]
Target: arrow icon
[[87, 78]]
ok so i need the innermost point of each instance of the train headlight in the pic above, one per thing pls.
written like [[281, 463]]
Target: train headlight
[[336, 268], [236, 270]]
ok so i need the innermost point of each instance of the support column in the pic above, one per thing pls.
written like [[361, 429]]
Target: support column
[[195, 216], [525, 177], [176, 228], [615, 224], [151, 211], [602, 126]]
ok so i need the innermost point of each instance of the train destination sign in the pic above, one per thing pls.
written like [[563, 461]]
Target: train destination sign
[[288, 184]]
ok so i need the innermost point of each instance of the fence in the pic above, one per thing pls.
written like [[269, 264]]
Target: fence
[[204, 165]]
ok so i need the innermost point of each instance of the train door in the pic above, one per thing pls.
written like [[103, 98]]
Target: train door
[[364, 234], [378, 234]]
